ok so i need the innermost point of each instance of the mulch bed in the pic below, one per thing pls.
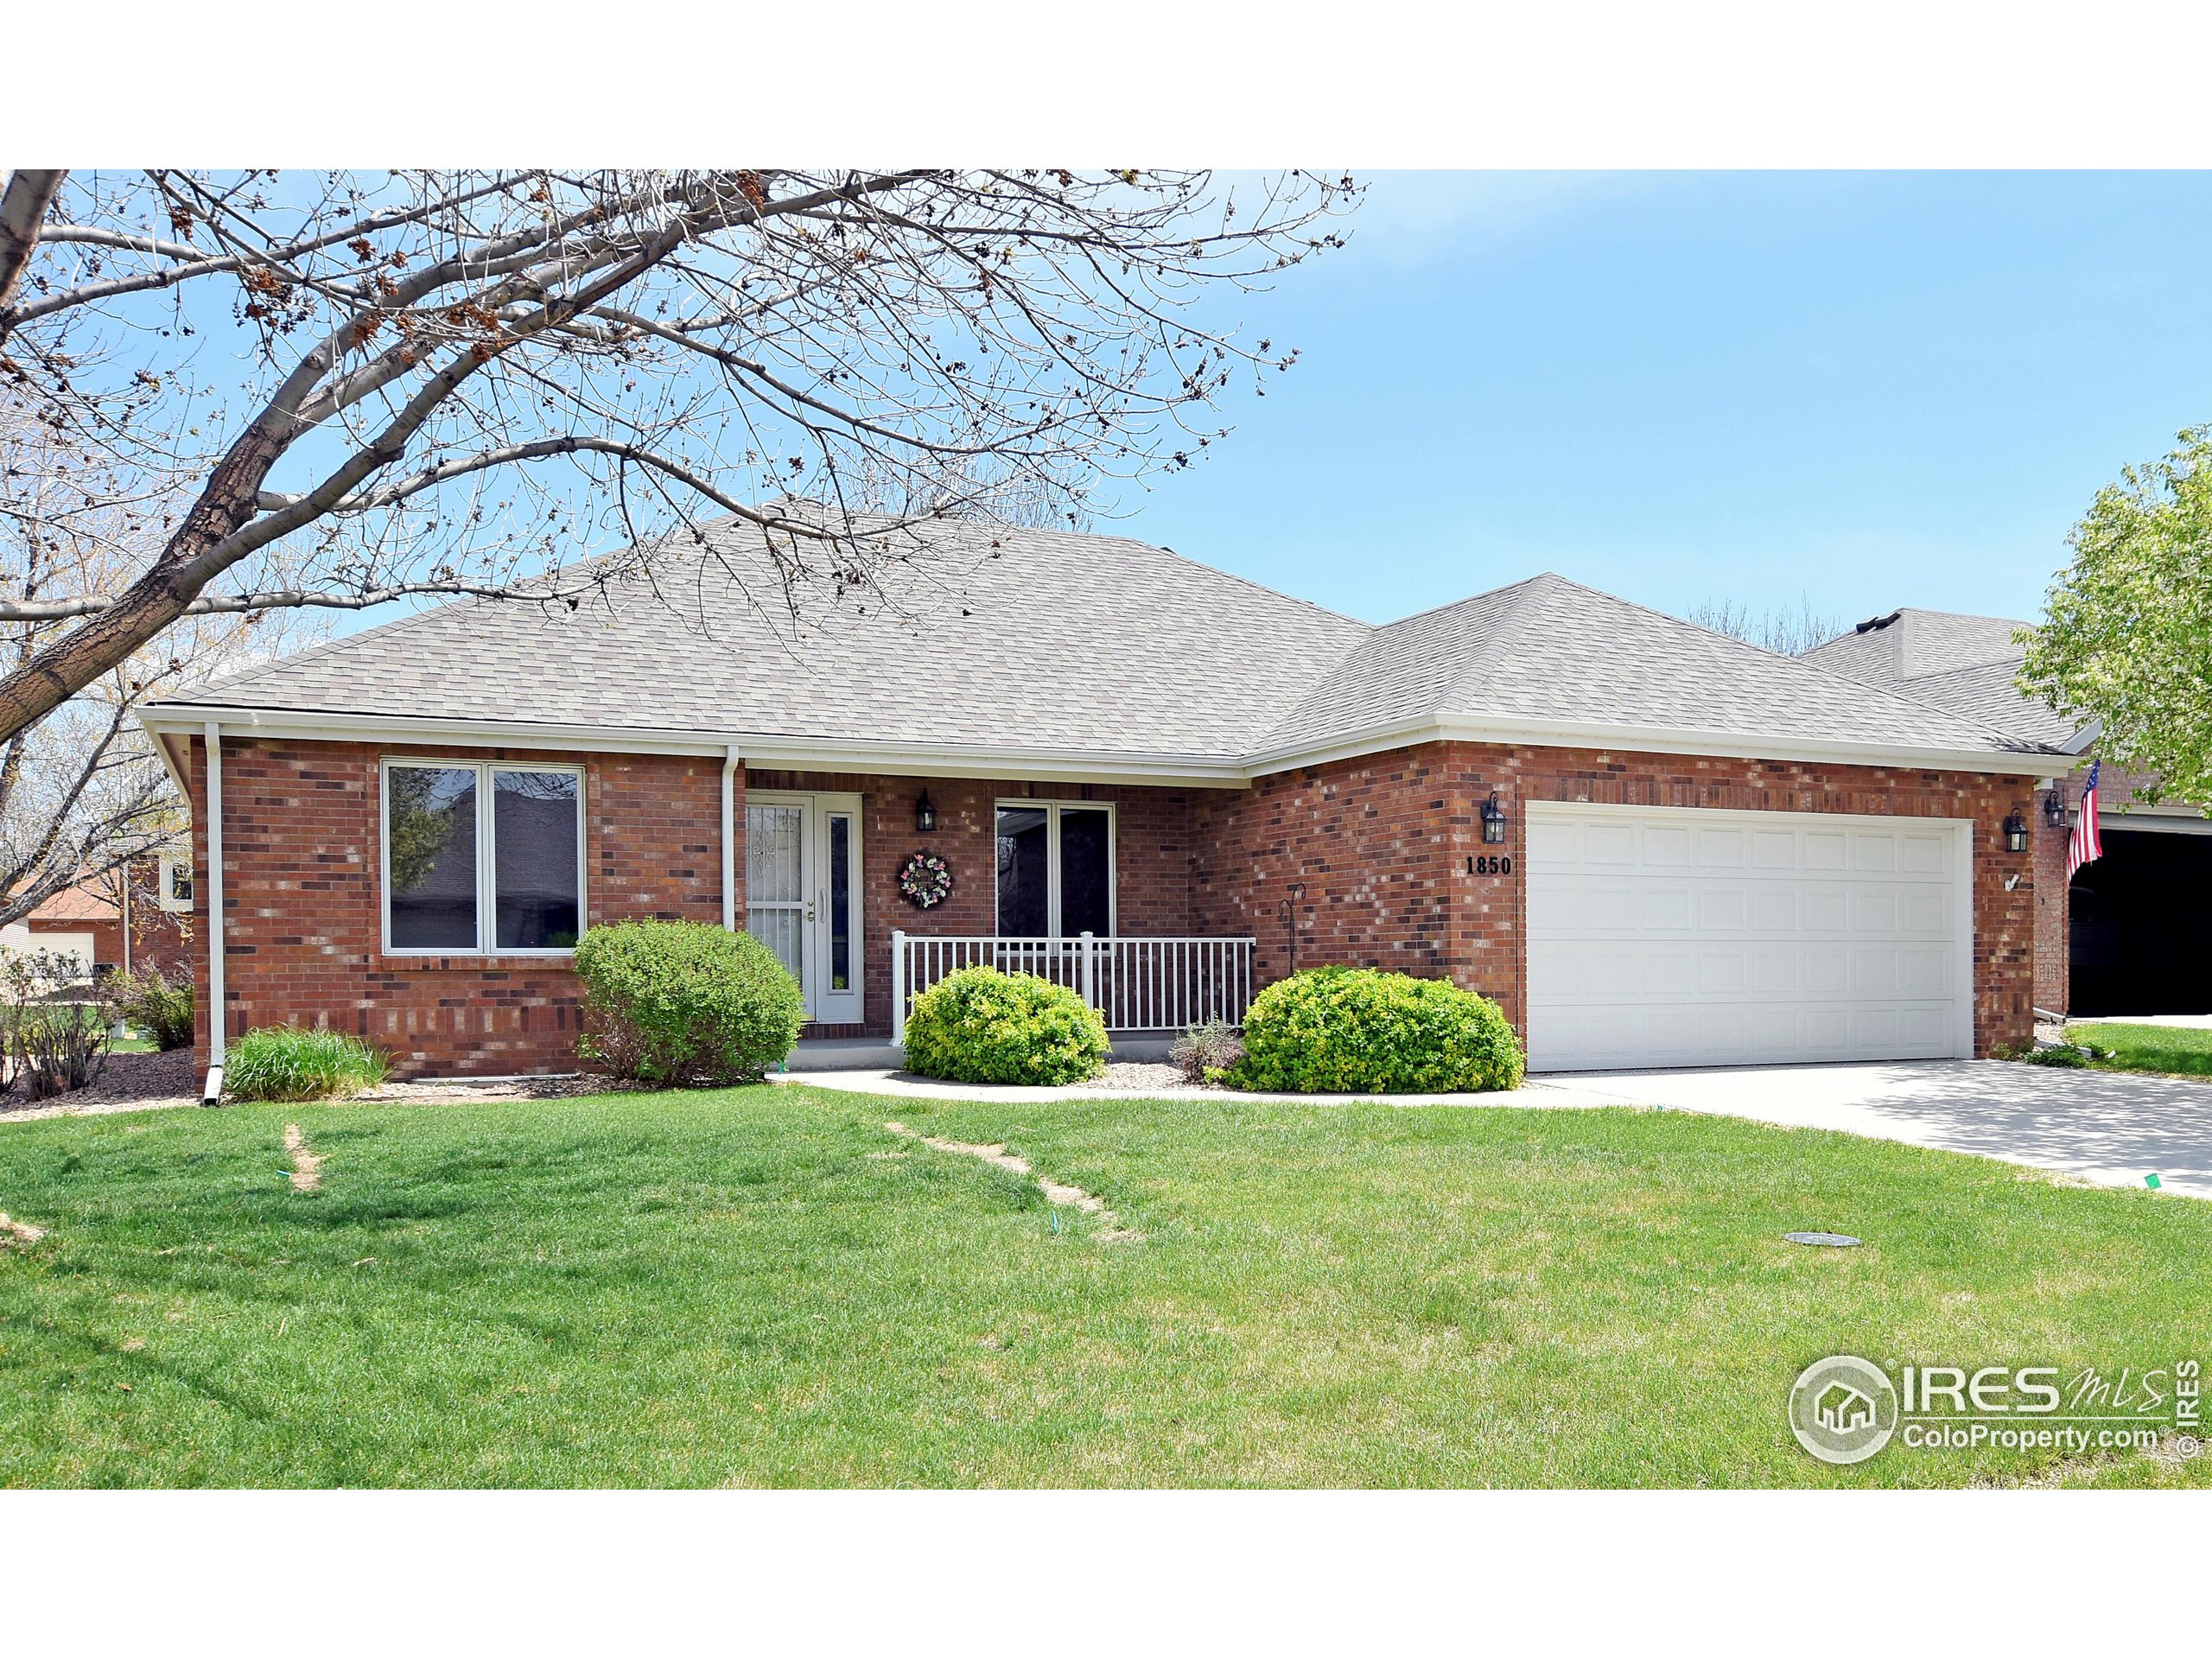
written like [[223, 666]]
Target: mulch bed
[[138, 1083], [128, 1083]]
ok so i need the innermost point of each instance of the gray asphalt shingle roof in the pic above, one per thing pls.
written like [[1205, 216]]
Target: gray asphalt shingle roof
[[1966, 665], [1043, 638], [1050, 640], [1552, 650]]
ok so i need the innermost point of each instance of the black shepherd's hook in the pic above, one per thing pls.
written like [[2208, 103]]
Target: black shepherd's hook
[[1288, 911]]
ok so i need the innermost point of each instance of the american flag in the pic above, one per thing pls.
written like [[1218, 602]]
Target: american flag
[[2086, 844]]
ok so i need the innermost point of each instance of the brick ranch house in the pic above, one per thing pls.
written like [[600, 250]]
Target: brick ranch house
[[1154, 781], [2127, 934], [134, 918]]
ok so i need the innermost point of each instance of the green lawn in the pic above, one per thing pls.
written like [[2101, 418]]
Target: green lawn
[[2173, 1049], [764, 1286]]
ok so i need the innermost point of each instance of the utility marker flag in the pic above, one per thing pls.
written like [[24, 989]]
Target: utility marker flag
[[2086, 844]]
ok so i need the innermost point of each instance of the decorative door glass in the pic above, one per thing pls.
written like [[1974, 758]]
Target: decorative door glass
[[775, 891]]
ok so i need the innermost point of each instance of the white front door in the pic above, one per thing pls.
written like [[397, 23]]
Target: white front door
[[1679, 936], [803, 894]]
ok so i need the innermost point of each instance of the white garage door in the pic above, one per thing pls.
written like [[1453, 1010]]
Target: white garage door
[[1670, 935]]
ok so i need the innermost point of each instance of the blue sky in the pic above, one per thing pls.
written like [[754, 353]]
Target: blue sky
[[1872, 390]]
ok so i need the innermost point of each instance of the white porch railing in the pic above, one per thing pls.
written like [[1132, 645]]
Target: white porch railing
[[1161, 984]]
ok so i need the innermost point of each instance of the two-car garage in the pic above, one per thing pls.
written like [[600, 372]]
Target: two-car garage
[[1672, 936]]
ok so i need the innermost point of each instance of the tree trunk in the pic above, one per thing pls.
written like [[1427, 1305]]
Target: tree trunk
[[108, 638], [30, 191]]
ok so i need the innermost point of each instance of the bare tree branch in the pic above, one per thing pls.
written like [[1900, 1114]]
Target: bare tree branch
[[331, 390]]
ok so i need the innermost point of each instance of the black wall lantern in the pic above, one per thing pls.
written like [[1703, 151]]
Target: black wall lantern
[[926, 815], [1493, 822], [2015, 833], [2053, 809]]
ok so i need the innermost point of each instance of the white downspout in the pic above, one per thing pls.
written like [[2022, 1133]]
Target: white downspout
[[729, 840], [213, 887]]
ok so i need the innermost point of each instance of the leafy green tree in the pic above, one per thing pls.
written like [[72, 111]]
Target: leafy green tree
[[2127, 639]]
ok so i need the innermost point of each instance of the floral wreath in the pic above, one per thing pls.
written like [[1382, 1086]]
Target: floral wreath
[[925, 879]]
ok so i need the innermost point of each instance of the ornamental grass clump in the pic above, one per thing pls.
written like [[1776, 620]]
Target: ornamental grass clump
[[981, 1025], [152, 1003], [684, 1004], [295, 1063], [1356, 1030], [1206, 1052]]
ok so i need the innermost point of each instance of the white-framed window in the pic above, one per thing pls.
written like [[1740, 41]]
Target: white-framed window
[[172, 879], [1056, 876], [482, 858]]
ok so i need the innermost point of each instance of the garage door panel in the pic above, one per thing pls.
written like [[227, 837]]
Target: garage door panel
[[1774, 909], [1720, 970], [1828, 908], [1874, 973], [1874, 910], [1774, 849], [1873, 851], [1924, 910], [1725, 908], [1925, 854], [1923, 973], [1722, 848], [1678, 937]]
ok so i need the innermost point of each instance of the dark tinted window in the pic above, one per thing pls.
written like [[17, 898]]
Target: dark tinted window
[[1024, 898], [534, 836], [1086, 872], [430, 830]]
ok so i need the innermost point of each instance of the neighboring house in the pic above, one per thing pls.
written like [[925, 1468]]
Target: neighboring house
[[2127, 936], [85, 923], [1652, 844]]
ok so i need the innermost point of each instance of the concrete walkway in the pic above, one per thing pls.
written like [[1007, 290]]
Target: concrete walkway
[[1540, 1091], [2112, 1127]]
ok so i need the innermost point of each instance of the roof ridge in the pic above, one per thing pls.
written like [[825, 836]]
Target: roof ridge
[[1454, 604], [1523, 591]]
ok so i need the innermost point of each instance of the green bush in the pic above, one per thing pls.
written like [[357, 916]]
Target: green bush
[[152, 1003], [293, 1063], [981, 1025], [2059, 1054], [1344, 1030], [684, 1004]]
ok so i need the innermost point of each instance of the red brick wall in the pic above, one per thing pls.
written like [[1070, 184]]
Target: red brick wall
[[1381, 843], [303, 923], [1152, 853], [166, 939]]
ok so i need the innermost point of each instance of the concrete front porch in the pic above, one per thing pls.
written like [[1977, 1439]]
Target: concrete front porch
[[882, 1054]]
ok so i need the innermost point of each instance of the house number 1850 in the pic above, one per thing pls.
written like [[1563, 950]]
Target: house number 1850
[[1489, 865]]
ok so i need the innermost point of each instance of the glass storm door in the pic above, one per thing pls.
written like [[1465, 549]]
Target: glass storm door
[[802, 895]]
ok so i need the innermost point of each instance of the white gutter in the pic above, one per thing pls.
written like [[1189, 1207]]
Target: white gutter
[[1640, 739], [729, 840], [785, 752], [766, 752], [214, 889]]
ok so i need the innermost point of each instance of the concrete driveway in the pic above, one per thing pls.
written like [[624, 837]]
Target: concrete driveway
[[2107, 1126]]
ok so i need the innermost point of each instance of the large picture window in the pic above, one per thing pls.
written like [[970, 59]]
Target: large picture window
[[476, 854], [1055, 868]]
